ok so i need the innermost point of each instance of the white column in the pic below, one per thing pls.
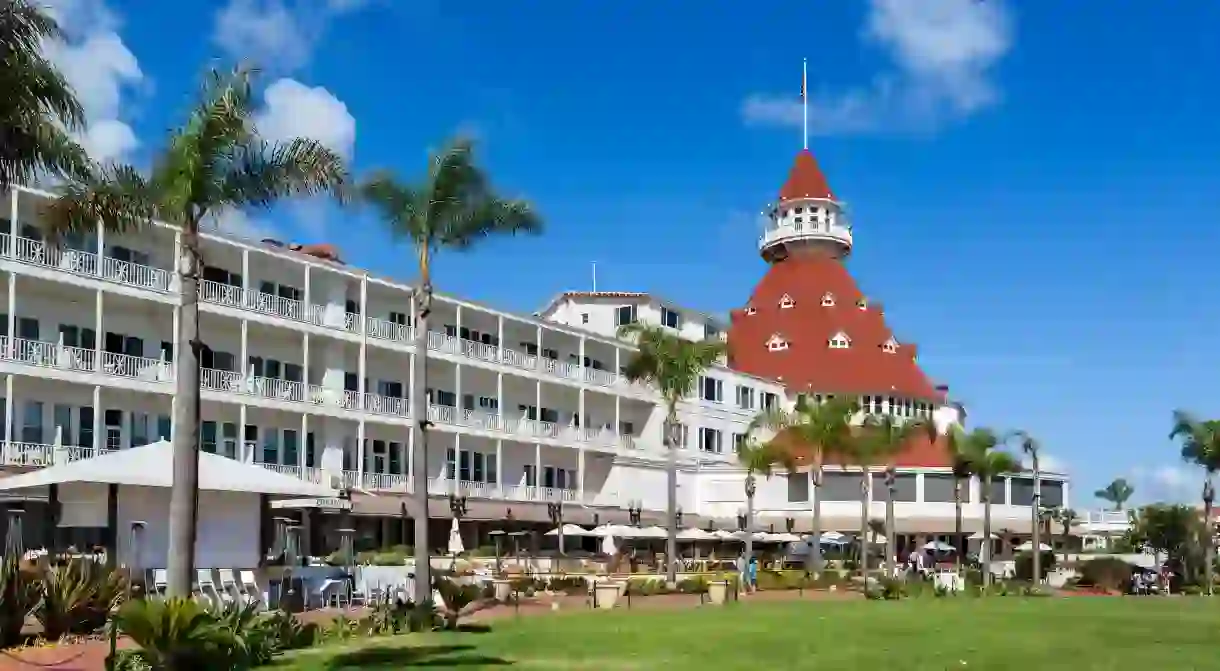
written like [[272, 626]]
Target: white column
[[12, 314], [242, 454], [101, 246], [457, 324], [618, 421], [245, 271], [305, 367], [411, 391], [303, 441], [13, 230], [360, 450], [362, 368], [500, 464], [500, 333], [245, 353], [919, 484], [98, 438], [307, 298], [500, 398], [537, 464], [1008, 491], [98, 328], [8, 403], [580, 434]]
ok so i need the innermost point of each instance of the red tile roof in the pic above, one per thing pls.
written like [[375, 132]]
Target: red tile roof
[[809, 365], [805, 180]]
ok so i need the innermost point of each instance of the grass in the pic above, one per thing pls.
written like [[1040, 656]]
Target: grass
[[1046, 634]]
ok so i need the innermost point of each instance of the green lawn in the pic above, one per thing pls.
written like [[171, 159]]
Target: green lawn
[[925, 634]]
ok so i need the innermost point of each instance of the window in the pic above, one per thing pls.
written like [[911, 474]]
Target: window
[[711, 332], [27, 328], [670, 318], [31, 424], [777, 343], [624, 315], [786, 302], [291, 455], [229, 439], [139, 429], [739, 441], [400, 318], [770, 401], [475, 466], [207, 437], [351, 307], [745, 397], [890, 346], [558, 478], [531, 478], [552, 354], [711, 440], [711, 389], [584, 318], [840, 341], [828, 300], [395, 458], [84, 430], [862, 303], [683, 436], [74, 336], [114, 429], [873, 405], [271, 446], [751, 310]]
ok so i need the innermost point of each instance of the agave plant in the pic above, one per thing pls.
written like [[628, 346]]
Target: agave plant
[[459, 600], [78, 597], [20, 594], [179, 634]]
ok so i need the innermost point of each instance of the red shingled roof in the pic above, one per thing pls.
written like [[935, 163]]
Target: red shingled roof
[[805, 180]]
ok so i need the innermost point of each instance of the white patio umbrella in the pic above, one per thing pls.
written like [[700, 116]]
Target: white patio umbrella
[[782, 538], [1028, 546], [455, 539], [608, 546], [938, 546], [742, 535], [724, 535], [832, 536], [650, 532], [569, 530], [610, 530], [978, 536]]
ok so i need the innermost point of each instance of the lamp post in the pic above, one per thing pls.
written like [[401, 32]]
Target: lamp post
[[789, 524], [457, 505], [634, 510], [554, 510], [678, 518], [292, 549], [741, 520], [133, 569]]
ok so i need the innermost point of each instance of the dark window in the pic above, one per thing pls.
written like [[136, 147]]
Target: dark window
[[905, 485], [938, 488], [798, 487], [625, 315]]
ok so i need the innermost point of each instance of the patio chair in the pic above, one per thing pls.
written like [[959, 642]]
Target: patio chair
[[228, 591], [249, 587], [206, 587], [340, 594], [160, 580]]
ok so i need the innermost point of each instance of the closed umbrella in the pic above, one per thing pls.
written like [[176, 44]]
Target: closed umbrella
[[455, 539]]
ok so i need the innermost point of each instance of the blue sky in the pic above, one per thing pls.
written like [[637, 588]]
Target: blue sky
[[1034, 186]]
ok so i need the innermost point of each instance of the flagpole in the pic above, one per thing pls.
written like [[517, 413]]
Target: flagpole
[[805, 101], [595, 277]]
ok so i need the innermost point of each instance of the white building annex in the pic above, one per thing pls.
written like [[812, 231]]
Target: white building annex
[[307, 373]]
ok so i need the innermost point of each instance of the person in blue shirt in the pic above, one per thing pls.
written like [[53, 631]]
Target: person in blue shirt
[[752, 574]]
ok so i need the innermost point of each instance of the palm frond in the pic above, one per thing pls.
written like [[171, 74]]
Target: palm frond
[[29, 80], [399, 205], [117, 196], [263, 173], [670, 363]]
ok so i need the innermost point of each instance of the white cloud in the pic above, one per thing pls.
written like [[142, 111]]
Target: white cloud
[[242, 225], [292, 109], [942, 53], [100, 67], [275, 34], [1174, 483]]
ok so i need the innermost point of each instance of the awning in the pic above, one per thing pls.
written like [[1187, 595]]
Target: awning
[[152, 465]]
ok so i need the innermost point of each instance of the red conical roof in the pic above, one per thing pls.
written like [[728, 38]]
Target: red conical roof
[[805, 180], [792, 303]]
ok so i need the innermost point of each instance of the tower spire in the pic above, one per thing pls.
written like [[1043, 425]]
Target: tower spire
[[805, 102]]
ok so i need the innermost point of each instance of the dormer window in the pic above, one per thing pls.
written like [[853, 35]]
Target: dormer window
[[828, 300], [890, 346], [862, 303], [751, 310], [786, 302], [777, 343], [840, 341]]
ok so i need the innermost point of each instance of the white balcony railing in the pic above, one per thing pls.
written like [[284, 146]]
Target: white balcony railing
[[83, 263], [14, 453], [136, 367]]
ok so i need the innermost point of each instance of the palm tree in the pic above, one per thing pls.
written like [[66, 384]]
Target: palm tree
[[1066, 517], [865, 450], [39, 110], [1032, 449], [1117, 493], [987, 461], [955, 446], [215, 161], [889, 435], [454, 206], [673, 366], [759, 458], [1201, 447], [818, 429]]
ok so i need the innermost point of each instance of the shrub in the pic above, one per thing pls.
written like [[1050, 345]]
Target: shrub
[[179, 634], [19, 595], [1025, 566], [697, 585], [1108, 573], [459, 599], [569, 584], [77, 597]]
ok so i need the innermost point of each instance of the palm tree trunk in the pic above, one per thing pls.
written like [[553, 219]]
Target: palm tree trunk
[[864, 525], [1037, 535], [1209, 534], [957, 524], [891, 539], [671, 495], [986, 556], [817, 522], [419, 429], [184, 494], [749, 530]]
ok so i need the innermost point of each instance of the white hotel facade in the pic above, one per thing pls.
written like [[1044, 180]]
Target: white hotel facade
[[307, 371]]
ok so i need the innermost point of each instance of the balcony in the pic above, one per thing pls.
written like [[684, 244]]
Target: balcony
[[85, 264], [401, 484], [41, 354]]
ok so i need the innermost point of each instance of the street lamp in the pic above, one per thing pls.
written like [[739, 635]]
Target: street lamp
[[554, 510], [678, 518], [457, 505], [789, 524], [741, 520], [634, 511]]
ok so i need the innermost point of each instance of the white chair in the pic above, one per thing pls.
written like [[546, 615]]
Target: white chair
[[340, 593], [228, 586], [207, 587], [249, 587], [160, 580]]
